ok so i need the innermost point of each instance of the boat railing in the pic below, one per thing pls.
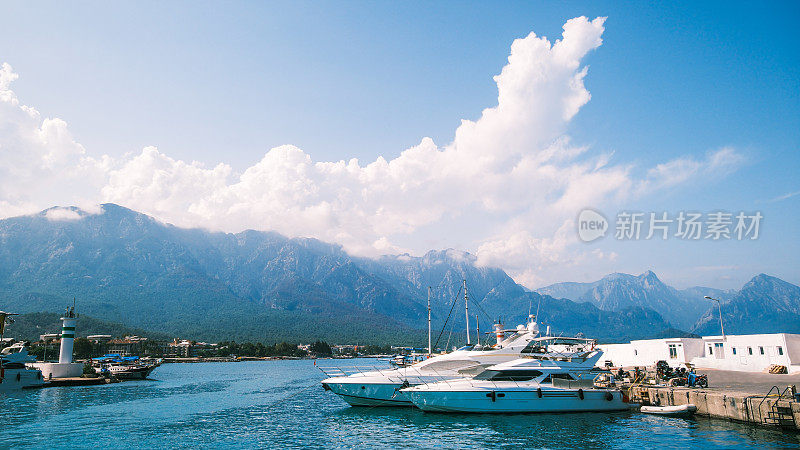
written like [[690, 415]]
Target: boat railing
[[390, 373], [345, 371]]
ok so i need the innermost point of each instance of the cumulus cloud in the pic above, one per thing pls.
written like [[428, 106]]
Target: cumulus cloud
[[513, 171]]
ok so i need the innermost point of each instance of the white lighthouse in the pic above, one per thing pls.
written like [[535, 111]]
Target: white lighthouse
[[67, 336], [64, 368]]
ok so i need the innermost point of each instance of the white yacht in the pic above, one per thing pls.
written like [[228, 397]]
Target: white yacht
[[13, 372], [383, 387], [554, 375]]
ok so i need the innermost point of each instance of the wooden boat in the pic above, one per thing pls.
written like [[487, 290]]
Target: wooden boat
[[678, 410]]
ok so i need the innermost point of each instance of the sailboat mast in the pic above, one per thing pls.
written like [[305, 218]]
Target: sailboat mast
[[430, 350], [466, 308], [477, 330]]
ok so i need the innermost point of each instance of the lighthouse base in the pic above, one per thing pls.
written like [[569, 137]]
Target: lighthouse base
[[58, 370]]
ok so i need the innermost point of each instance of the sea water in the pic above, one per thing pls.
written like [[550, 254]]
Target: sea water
[[278, 404]]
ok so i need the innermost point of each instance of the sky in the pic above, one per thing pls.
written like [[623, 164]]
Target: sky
[[400, 127]]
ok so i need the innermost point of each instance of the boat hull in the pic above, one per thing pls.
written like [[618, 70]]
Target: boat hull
[[134, 374], [678, 410], [518, 401], [368, 394], [126, 372], [15, 379]]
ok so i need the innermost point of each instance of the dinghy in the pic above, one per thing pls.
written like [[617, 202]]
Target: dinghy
[[679, 410]]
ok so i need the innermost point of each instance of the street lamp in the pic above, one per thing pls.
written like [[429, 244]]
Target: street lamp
[[719, 304]]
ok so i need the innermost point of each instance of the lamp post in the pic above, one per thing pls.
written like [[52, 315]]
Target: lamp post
[[719, 304]]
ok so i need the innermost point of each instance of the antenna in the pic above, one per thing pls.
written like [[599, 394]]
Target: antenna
[[430, 349], [466, 308]]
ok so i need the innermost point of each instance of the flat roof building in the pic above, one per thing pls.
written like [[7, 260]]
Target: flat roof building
[[746, 353]]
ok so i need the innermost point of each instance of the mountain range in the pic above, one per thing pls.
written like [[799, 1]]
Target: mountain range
[[765, 304], [619, 290], [126, 267]]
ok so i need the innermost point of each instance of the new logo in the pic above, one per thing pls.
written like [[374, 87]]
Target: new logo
[[591, 225]]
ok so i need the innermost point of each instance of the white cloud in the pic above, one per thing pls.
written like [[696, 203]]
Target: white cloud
[[62, 214], [784, 196], [717, 163], [513, 169]]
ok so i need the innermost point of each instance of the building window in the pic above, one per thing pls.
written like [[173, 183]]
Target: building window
[[780, 350], [636, 352], [710, 350], [749, 350], [761, 350], [734, 350], [673, 351]]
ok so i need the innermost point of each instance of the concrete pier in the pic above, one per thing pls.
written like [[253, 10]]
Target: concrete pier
[[718, 403]]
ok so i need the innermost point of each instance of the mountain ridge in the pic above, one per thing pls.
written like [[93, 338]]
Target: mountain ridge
[[128, 267]]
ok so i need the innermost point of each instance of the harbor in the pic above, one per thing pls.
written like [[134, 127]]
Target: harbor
[[275, 403], [506, 376]]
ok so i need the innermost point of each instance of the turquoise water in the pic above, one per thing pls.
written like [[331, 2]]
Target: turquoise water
[[281, 404]]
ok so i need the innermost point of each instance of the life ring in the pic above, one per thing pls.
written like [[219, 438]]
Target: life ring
[[539, 392], [580, 393]]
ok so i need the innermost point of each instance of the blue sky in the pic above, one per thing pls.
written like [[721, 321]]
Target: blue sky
[[224, 82]]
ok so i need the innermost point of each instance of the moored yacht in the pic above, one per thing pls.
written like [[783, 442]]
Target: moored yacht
[[383, 387], [13, 372], [554, 375]]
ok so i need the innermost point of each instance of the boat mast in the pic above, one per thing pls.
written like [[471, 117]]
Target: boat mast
[[430, 350], [466, 308], [477, 330]]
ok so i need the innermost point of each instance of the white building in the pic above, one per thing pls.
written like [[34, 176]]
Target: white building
[[747, 353]]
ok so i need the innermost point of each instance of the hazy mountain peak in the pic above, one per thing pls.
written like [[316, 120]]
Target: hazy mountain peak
[[764, 278], [449, 255], [649, 275], [765, 304], [617, 276]]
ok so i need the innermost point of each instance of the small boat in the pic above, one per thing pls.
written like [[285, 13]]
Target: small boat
[[678, 410], [124, 367]]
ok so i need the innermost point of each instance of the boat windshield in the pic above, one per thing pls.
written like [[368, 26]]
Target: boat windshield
[[562, 376], [508, 375]]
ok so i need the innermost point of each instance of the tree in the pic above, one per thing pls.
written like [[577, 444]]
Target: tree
[[320, 348], [83, 348]]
